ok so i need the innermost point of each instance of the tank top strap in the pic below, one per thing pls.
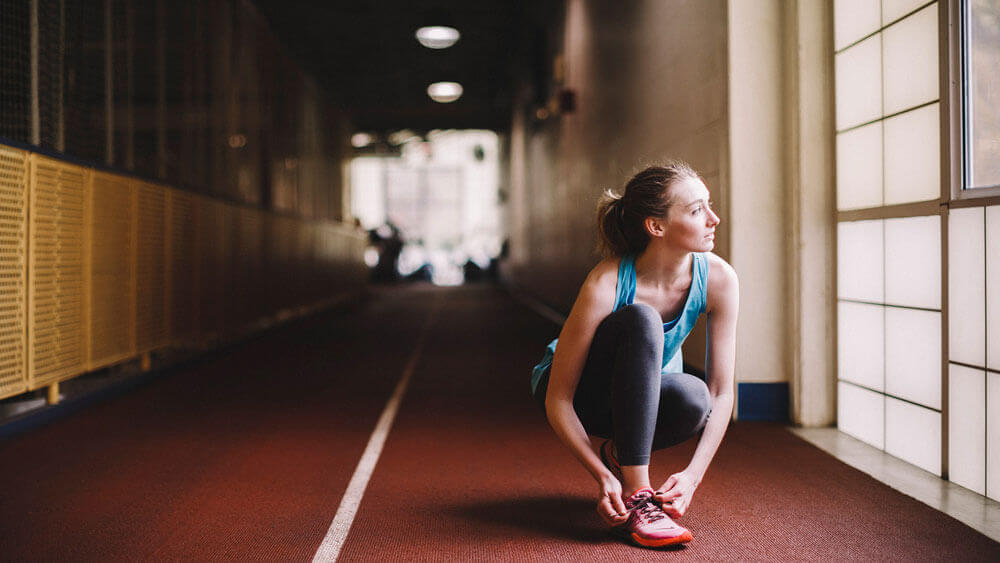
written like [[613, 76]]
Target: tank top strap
[[625, 291], [701, 278]]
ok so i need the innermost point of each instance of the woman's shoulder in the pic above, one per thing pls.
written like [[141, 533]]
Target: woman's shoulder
[[604, 275], [597, 295], [723, 283]]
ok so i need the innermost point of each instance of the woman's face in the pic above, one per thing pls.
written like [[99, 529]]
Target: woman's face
[[690, 221]]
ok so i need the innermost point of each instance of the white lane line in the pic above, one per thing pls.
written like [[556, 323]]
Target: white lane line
[[329, 550]]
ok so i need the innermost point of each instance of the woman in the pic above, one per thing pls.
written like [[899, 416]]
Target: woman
[[617, 370]]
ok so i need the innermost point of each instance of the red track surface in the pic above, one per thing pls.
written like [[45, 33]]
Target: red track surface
[[247, 456]]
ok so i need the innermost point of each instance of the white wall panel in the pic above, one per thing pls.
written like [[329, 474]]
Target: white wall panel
[[913, 261], [913, 434], [967, 286], [859, 167], [852, 20], [860, 344], [913, 156], [967, 428], [992, 435], [860, 413], [993, 287], [894, 9], [860, 261], [910, 62], [859, 83], [913, 355]]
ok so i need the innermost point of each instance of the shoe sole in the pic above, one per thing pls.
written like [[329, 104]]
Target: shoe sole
[[621, 532], [683, 538]]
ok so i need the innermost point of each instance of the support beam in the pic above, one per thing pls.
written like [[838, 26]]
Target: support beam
[[811, 241], [109, 88], [36, 129]]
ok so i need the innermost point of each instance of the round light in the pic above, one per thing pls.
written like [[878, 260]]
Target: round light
[[359, 140], [445, 92], [437, 36], [237, 141]]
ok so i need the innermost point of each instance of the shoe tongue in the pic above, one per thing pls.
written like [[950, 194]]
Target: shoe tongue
[[641, 494]]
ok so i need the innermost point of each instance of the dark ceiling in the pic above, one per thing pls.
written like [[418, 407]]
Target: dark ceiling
[[365, 55]]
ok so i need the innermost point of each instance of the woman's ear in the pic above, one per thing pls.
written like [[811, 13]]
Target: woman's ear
[[654, 226]]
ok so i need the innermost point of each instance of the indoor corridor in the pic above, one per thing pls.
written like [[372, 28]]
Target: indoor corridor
[[274, 277]]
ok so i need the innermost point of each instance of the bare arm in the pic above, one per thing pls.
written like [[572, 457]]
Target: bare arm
[[723, 310], [595, 301]]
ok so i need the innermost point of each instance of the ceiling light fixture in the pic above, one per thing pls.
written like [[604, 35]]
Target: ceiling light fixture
[[445, 92], [437, 36], [359, 140]]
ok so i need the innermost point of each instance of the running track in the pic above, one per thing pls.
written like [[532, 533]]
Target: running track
[[247, 456]]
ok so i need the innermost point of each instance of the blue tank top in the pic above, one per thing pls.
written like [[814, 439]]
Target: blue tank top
[[674, 332]]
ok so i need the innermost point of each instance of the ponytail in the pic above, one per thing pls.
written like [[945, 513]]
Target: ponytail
[[610, 225]]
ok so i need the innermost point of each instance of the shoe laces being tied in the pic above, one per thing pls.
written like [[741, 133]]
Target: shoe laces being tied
[[647, 508]]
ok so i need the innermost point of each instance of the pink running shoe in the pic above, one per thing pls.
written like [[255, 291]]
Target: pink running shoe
[[610, 461], [648, 525]]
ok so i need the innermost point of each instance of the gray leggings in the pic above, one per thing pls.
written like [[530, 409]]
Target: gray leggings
[[622, 395]]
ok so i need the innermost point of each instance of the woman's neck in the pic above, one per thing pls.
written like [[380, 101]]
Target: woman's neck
[[662, 267]]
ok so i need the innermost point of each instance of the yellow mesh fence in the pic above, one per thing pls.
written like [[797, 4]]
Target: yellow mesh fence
[[211, 230], [182, 267], [150, 266], [56, 262], [13, 258], [246, 271], [96, 268], [110, 264]]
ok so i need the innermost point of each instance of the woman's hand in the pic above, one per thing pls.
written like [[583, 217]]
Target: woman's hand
[[610, 505], [675, 494]]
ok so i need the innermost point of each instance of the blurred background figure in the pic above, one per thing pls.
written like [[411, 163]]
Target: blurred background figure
[[389, 245]]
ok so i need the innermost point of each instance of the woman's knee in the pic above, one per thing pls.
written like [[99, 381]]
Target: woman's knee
[[641, 319], [689, 399]]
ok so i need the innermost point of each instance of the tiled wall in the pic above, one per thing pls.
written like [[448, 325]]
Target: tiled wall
[[889, 270], [974, 349], [890, 318]]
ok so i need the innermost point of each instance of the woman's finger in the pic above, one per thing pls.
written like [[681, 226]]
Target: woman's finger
[[605, 509], [672, 511], [667, 496], [618, 504]]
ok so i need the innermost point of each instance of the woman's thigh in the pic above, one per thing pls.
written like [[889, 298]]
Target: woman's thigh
[[633, 335], [685, 405]]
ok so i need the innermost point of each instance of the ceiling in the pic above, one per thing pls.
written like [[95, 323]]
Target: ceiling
[[366, 57]]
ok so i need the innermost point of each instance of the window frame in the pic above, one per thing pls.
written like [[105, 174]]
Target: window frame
[[955, 71]]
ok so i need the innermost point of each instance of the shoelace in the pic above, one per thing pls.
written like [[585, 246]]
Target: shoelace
[[647, 509]]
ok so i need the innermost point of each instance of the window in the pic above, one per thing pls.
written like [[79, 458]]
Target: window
[[981, 93]]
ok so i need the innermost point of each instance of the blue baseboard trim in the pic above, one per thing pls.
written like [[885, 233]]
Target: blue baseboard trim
[[47, 414], [762, 401]]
